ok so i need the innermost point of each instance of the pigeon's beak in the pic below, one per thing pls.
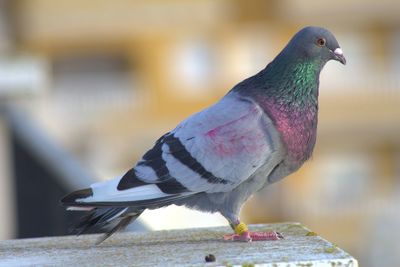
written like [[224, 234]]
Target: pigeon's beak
[[338, 55]]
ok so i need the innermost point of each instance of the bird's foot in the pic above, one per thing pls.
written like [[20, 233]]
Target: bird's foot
[[248, 236]]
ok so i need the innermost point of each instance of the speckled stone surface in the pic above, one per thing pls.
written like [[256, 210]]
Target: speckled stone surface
[[301, 247]]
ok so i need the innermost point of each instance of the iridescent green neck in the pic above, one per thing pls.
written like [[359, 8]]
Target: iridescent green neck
[[289, 81], [294, 83]]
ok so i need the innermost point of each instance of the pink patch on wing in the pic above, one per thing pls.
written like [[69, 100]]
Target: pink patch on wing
[[242, 135]]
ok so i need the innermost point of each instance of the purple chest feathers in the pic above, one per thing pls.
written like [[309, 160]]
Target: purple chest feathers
[[298, 127]]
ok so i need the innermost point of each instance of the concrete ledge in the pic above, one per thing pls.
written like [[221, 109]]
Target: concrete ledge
[[301, 247]]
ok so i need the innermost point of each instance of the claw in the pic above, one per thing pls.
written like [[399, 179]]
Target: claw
[[254, 236], [244, 237]]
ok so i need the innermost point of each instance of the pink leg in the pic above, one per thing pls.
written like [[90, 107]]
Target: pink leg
[[243, 234], [248, 236]]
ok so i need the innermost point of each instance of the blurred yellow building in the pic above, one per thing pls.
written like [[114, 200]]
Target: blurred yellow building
[[107, 78]]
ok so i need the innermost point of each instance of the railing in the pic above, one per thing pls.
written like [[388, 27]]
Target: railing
[[190, 247]]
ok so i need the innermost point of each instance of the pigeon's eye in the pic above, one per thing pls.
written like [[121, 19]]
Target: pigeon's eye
[[321, 41]]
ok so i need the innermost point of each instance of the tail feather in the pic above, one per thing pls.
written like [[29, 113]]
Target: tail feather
[[124, 222], [111, 219], [95, 220], [112, 209], [89, 198], [71, 199], [72, 208]]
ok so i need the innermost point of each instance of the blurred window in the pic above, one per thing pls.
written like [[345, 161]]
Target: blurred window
[[91, 72], [89, 82], [192, 67]]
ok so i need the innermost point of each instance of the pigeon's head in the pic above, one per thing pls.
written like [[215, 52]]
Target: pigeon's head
[[316, 44]]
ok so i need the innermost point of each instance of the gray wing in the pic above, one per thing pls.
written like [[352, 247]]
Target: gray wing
[[214, 150]]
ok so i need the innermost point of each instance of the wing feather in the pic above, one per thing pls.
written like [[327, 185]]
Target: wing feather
[[221, 146]]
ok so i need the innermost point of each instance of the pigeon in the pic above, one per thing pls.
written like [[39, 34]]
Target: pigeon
[[261, 131]]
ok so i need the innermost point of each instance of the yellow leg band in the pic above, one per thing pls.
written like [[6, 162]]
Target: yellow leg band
[[241, 228]]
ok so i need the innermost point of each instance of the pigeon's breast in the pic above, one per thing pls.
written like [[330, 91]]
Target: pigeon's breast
[[297, 127]]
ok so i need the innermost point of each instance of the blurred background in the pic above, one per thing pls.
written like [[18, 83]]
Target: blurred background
[[86, 87]]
